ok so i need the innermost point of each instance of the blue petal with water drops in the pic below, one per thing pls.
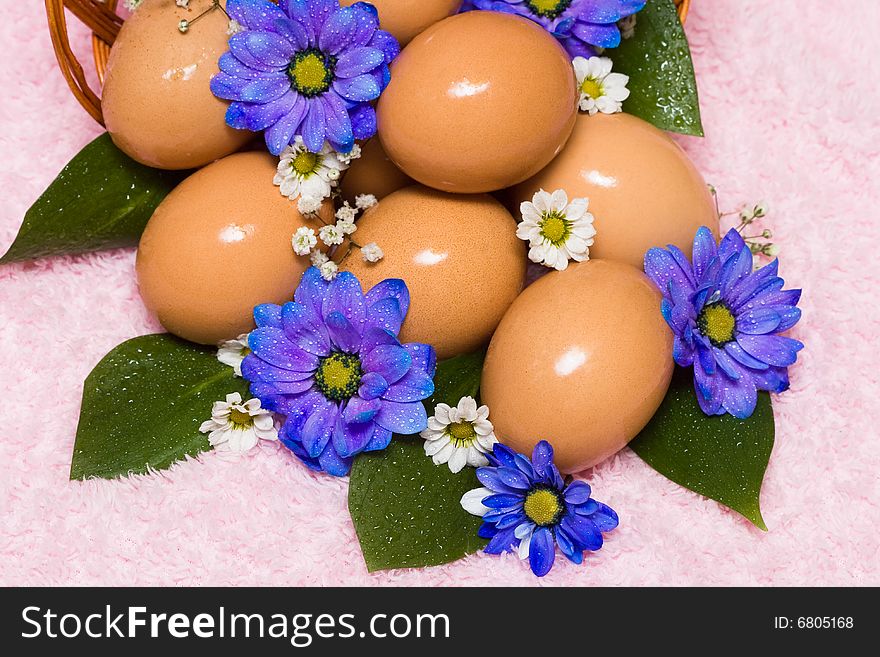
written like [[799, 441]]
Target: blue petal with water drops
[[332, 363], [305, 68], [529, 509], [726, 318]]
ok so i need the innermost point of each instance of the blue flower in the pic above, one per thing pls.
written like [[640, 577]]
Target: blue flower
[[581, 26], [331, 362], [527, 507], [726, 320], [305, 67]]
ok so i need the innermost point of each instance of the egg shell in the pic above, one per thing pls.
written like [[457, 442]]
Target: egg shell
[[157, 103], [219, 245], [459, 256], [478, 102], [643, 189], [373, 173], [407, 18], [582, 359]]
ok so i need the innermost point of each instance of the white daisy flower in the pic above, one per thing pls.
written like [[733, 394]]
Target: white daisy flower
[[460, 435], [237, 426], [557, 231], [331, 235], [329, 270], [372, 252], [303, 173], [309, 205], [233, 352], [600, 89], [365, 201], [304, 241], [319, 258]]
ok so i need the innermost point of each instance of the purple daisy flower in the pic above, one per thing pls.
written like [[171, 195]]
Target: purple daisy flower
[[527, 507], [580, 25], [305, 67], [331, 362], [726, 320]]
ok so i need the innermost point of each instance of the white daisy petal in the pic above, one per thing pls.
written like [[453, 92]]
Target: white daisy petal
[[472, 501], [458, 459]]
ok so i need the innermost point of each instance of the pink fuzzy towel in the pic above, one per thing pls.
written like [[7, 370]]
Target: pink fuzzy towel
[[790, 95]]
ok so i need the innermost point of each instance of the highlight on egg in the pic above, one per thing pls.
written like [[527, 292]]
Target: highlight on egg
[[460, 259], [219, 245], [581, 359], [157, 102], [643, 189], [467, 112]]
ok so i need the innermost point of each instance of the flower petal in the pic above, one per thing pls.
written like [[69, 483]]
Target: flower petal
[[404, 419], [771, 349], [357, 61], [373, 385], [342, 333], [577, 492], [319, 427], [358, 410], [254, 14], [311, 290], [583, 530], [362, 88], [472, 501], [391, 361], [271, 345], [542, 551]]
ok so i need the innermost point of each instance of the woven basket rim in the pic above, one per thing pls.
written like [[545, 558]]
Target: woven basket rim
[[90, 99]]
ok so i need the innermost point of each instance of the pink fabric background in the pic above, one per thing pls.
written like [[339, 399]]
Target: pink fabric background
[[790, 110]]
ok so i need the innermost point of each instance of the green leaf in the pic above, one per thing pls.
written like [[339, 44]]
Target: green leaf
[[143, 404], [406, 510], [101, 200], [717, 456], [663, 89]]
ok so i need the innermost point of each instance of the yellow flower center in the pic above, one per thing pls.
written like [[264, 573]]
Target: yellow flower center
[[240, 419], [461, 434], [555, 228], [593, 88], [310, 72], [717, 323], [305, 163], [543, 507], [548, 8], [339, 376]]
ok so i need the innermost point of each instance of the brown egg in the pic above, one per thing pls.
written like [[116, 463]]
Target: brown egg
[[406, 18], [582, 359], [219, 245], [157, 103], [459, 256], [643, 189], [372, 173], [478, 102]]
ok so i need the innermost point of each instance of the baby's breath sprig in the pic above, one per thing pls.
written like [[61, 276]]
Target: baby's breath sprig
[[186, 23], [332, 235], [748, 216]]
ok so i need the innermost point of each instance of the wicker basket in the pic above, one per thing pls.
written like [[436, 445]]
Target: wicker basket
[[104, 22]]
